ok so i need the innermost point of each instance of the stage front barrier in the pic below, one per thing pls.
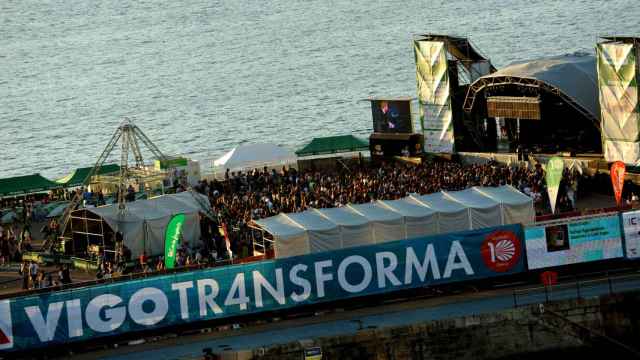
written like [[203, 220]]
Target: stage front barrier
[[62, 317]]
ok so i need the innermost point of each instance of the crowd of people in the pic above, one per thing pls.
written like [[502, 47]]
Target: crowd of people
[[246, 196]]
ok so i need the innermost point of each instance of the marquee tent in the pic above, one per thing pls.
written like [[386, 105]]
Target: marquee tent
[[144, 222], [251, 156], [319, 230]]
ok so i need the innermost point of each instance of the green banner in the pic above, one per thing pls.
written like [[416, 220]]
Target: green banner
[[171, 240], [554, 169]]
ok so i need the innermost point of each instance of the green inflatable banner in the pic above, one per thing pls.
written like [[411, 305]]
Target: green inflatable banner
[[554, 170], [171, 240]]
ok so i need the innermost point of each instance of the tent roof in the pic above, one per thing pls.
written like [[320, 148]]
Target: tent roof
[[439, 202], [376, 212], [573, 74], [249, 156], [310, 220], [472, 198], [26, 185], [156, 208], [333, 144], [77, 177], [415, 206], [343, 216], [505, 195], [408, 207], [281, 224]]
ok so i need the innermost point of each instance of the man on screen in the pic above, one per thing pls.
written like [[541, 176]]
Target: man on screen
[[390, 117]]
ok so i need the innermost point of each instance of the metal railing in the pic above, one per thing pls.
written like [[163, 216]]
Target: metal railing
[[577, 288]]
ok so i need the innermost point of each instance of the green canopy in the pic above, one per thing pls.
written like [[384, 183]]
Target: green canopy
[[333, 144], [77, 177], [26, 185]]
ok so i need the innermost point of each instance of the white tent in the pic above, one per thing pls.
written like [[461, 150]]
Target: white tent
[[419, 220], [144, 222], [452, 216], [385, 223], [251, 156], [318, 230]]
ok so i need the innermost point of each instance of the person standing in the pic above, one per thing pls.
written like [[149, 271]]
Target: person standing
[[65, 275], [33, 272], [24, 271]]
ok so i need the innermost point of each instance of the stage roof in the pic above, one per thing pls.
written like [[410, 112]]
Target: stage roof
[[574, 75]]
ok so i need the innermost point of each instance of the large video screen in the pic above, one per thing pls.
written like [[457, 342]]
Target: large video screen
[[573, 242], [391, 116]]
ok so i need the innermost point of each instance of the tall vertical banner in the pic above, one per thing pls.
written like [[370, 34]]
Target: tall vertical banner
[[171, 240], [617, 180], [553, 176], [434, 95], [619, 105]]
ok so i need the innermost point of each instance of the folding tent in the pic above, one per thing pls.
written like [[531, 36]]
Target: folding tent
[[353, 228], [452, 216], [514, 204], [250, 156], [483, 211], [144, 222], [319, 230], [386, 224]]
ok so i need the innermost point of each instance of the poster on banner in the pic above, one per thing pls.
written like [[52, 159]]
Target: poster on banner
[[573, 242], [553, 176], [631, 226], [88, 313], [617, 172]]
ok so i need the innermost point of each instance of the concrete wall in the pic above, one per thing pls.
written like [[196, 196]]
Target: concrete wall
[[603, 327]]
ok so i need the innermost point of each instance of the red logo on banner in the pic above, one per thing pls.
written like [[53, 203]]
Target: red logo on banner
[[3, 338], [501, 250], [617, 179]]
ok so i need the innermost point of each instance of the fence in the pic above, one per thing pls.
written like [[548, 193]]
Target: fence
[[582, 287]]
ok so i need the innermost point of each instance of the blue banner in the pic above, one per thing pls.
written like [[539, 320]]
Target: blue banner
[[162, 301]]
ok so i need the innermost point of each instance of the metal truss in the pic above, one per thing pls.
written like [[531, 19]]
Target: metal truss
[[129, 136]]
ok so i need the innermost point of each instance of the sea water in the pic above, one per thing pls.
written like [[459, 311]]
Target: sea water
[[199, 77]]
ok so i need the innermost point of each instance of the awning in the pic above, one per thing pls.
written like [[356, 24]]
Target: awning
[[77, 177], [28, 184]]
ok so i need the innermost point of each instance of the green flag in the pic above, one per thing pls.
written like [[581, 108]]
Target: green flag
[[554, 169], [171, 240]]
